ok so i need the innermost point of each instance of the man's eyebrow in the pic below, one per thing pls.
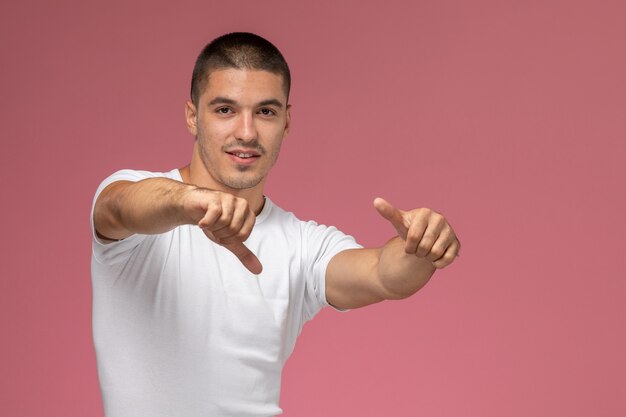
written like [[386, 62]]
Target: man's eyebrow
[[271, 102], [222, 100], [225, 100]]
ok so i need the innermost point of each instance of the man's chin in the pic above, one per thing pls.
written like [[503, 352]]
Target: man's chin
[[243, 182], [243, 168]]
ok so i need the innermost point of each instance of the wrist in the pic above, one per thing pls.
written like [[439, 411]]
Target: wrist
[[193, 203]]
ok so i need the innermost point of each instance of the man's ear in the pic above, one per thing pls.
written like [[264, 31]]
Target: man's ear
[[287, 121], [191, 118]]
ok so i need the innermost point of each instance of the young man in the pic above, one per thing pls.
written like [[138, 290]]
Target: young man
[[201, 284]]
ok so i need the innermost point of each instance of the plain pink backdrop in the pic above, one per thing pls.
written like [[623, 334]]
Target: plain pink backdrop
[[507, 117]]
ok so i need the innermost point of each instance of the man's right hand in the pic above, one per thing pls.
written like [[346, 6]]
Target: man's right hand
[[157, 205], [227, 220]]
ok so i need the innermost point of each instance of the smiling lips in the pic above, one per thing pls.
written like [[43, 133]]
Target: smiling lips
[[243, 156]]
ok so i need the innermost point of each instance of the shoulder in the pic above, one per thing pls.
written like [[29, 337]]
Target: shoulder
[[274, 216], [135, 175], [312, 233], [138, 175]]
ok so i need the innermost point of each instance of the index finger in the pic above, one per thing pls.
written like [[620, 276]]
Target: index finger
[[393, 215]]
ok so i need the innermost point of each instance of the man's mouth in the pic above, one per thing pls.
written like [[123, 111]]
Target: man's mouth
[[242, 154]]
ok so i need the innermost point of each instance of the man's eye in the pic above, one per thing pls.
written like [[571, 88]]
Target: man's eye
[[223, 110], [266, 112]]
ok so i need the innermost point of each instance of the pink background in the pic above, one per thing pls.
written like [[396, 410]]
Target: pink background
[[507, 117]]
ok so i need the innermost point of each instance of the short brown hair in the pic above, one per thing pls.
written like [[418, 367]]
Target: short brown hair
[[240, 50]]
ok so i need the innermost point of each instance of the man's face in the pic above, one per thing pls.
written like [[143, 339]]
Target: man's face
[[240, 122]]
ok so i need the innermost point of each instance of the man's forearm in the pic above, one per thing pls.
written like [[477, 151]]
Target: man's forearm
[[359, 277], [150, 206]]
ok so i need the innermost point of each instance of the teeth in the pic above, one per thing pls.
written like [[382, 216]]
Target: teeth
[[244, 155]]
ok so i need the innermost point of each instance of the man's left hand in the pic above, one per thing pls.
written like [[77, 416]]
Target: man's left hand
[[427, 234]]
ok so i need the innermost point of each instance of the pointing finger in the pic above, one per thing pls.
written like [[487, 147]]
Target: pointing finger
[[392, 214]]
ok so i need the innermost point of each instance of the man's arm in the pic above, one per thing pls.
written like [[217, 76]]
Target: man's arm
[[425, 242], [157, 205]]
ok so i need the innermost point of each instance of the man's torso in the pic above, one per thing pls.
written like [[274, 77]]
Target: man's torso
[[182, 328]]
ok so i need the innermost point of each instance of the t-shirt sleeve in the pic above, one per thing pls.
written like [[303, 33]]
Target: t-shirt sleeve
[[107, 252], [322, 243]]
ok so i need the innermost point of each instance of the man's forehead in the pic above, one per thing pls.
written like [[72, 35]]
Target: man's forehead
[[232, 83]]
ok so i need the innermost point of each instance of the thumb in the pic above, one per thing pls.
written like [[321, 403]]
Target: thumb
[[392, 214], [245, 255]]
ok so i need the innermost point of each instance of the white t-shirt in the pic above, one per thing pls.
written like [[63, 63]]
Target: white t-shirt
[[181, 328]]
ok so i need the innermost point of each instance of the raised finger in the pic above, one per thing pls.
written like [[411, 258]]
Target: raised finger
[[391, 214]]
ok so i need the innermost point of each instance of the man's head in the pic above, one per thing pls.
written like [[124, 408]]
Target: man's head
[[238, 50], [239, 113]]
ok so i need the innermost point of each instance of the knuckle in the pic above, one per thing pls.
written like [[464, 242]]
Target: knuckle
[[214, 210], [425, 245], [437, 252], [413, 234], [245, 207], [242, 235], [227, 216]]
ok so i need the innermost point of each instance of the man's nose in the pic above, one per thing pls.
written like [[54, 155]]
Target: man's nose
[[246, 130]]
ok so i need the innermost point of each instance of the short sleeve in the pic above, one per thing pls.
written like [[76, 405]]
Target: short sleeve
[[321, 244], [106, 252]]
